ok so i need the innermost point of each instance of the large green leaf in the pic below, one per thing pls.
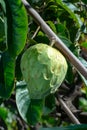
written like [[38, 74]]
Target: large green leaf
[[17, 23], [73, 127], [30, 110], [7, 70]]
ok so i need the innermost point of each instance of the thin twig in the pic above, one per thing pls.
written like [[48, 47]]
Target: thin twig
[[58, 43], [38, 28], [68, 111], [83, 114]]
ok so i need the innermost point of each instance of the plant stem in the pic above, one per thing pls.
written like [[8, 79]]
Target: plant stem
[[67, 110], [36, 32], [58, 43]]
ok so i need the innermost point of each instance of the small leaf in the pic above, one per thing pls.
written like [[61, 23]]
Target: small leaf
[[84, 44], [3, 113], [52, 25], [83, 104], [30, 110]]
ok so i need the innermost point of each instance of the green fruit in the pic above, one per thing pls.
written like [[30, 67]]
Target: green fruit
[[44, 69]]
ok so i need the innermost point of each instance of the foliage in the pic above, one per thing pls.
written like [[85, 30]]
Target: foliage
[[18, 32]]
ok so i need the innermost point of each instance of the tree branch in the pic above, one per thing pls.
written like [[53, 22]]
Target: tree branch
[[58, 43], [68, 111]]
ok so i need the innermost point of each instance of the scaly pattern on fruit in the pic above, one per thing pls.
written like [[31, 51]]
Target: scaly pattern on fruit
[[44, 69]]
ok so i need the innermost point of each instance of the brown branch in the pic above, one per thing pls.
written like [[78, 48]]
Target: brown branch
[[68, 111], [58, 43]]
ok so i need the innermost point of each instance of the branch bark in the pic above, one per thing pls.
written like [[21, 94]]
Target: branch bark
[[68, 111], [58, 43]]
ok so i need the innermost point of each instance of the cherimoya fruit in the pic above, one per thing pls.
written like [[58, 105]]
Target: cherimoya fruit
[[44, 69]]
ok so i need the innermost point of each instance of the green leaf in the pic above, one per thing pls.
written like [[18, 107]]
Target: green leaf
[[84, 44], [30, 110], [62, 29], [3, 113], [69, 44], [35, 111], [71, 6], [72, 14], [52, 25], [7, 75], [49, 104], [3, 5], [73, 127], [83, 104], [17, 22]]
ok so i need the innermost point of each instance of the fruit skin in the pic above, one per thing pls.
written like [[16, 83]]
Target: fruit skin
[[44, 69]]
